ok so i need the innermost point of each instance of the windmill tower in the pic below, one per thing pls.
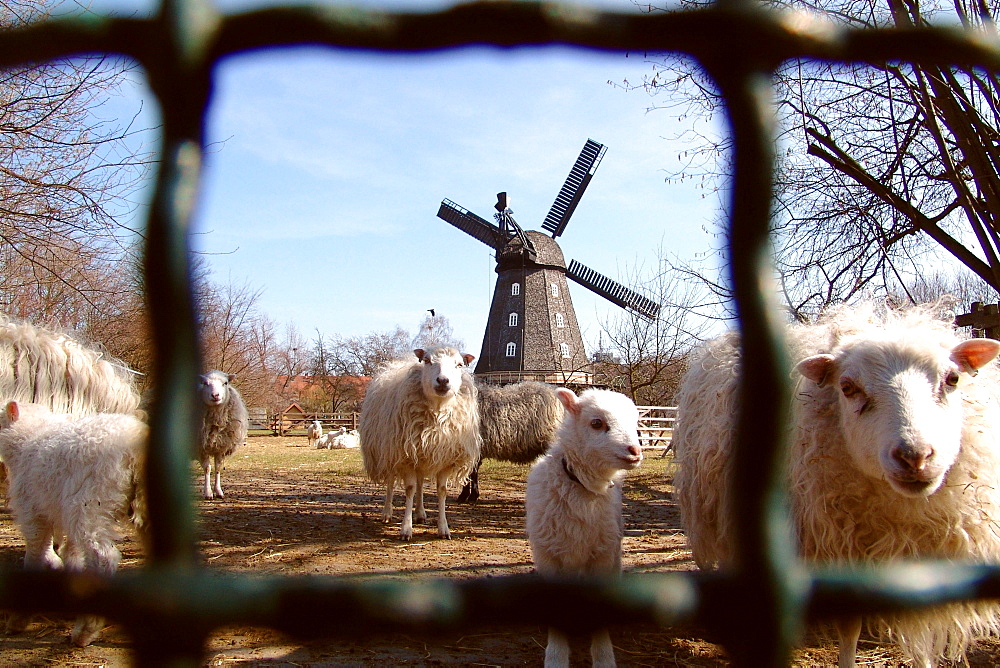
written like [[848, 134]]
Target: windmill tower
[[532, 332]]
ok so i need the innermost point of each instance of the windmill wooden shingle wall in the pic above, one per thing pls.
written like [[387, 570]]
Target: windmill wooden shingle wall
[[544, 321]]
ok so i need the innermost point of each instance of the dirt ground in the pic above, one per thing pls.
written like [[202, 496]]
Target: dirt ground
[[291, 509]]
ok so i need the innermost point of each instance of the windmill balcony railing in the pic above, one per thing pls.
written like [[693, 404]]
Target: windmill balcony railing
[[172, 603]]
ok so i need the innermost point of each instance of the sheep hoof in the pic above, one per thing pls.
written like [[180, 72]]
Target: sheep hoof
[[86, 630]]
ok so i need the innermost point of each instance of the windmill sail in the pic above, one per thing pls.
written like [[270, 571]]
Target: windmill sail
[[471, 224], [611, 290], [572, 190]]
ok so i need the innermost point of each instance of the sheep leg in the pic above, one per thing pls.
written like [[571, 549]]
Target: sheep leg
[[206, 465], [470, 491], [410, 481], [557, 650], [39, 555], [103, 559], [602, 652], [442, 483], [849, 630], [387, 506], [421, 511], [218, 476]]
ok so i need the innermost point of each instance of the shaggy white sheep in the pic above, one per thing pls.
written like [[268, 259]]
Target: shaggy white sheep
[[314, 432], [517, 423], [419, 420], [573, 501], [224, 426], [71, 480], [894, 455], [43, 366]]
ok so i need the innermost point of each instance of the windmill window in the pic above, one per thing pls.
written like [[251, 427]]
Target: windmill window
[[555, 289], [564, 349], [512, 320], [560, 320], [515, 289], [511, 349]]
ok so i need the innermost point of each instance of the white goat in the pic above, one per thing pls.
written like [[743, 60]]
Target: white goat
[[573, 502], [894, 456], [71, 480], [314, 432], [224, 426], [419, 420]]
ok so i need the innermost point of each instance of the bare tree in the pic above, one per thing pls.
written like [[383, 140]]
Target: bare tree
[[66, 179], [436, 331], [885, 168], [645, 358]]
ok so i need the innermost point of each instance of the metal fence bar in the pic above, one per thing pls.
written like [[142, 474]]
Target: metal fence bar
[[172, 604]]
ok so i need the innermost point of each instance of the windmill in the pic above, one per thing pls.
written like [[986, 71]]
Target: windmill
[[532, 332]]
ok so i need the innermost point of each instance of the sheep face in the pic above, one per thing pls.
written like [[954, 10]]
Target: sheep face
[[900, 406], [600, 431], [442, 372], [214, 387]]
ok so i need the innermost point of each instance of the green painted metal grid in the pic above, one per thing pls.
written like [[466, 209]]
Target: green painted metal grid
[[170, 605]]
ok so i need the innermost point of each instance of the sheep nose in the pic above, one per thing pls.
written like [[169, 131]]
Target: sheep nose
[[911, 457], [443, 381], [635, 450]]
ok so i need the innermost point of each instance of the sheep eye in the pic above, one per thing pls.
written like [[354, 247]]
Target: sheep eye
[[849, 389], [597, 423], [951, 380]]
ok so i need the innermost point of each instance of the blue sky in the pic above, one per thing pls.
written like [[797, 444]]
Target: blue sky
[[327, 168]]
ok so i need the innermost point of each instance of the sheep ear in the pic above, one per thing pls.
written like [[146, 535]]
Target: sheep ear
[[232, 377], [817, 368], [419, 352], [13, 412], [974, 354], [468, 358], [569, 400]]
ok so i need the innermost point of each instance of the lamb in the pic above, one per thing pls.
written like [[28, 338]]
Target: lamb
[[314, 432], [894, 456], [418, 420], [224, 426], [71, 480], [44, 366], [517, 422], [573, 501]]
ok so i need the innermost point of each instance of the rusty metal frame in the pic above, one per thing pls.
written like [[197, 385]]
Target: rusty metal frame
[[170, 605]]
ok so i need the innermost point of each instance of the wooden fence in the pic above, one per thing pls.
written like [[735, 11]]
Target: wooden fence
[[656, 427], [656, 424], [292, 423]]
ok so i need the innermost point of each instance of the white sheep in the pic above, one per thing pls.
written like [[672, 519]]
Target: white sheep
[[419, 420], [340, 439], [894, 456], [351, 438], [314, 432], [573, 501], [517, 423], [224, 426], [43, 366], [326, 440], [71, 480]]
